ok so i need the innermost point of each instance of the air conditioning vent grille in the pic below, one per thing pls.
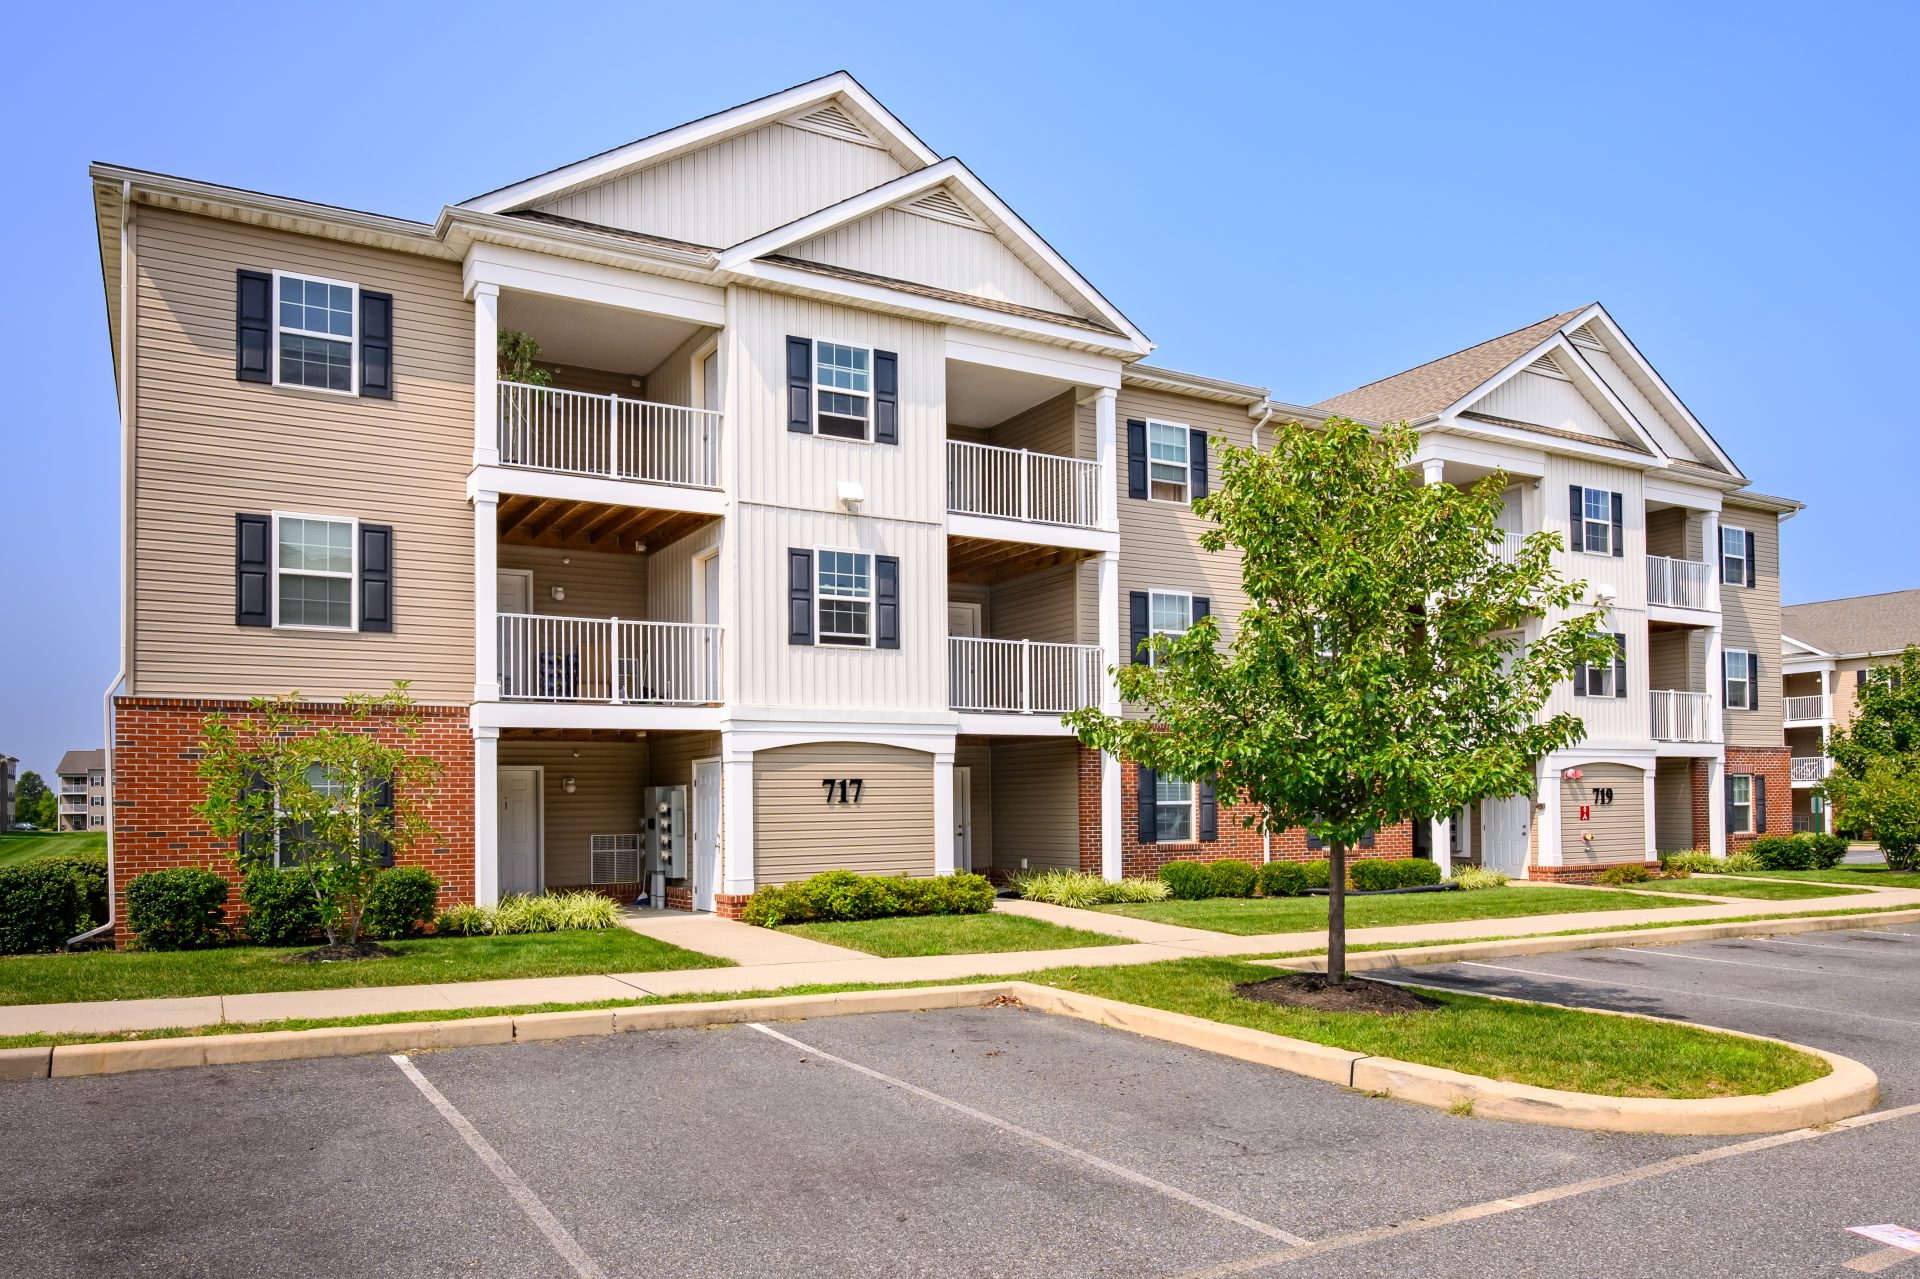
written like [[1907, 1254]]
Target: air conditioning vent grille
[[614, 859]]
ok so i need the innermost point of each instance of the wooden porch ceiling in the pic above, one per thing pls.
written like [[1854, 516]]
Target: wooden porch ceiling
[[590, 526], [573, 735], [982, 560]]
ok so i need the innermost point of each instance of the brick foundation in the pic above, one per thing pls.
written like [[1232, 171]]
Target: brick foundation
[[1577, 874], [730, 905], [156, 750]]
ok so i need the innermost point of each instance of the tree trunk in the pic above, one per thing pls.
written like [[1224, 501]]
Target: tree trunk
[[1337, 911]]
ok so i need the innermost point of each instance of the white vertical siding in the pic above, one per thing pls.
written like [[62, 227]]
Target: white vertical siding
[[1546, 401], [1608, 719], [1656, 423], [907, 246]]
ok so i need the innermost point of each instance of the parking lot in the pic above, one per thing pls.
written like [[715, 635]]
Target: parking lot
[[991, 1141]]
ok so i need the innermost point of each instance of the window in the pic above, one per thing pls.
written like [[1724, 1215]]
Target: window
[[1172, 810], [1168, 613], [328, 786], [1598, 681], [99, 801], [315, 332], [99, 821], [845, 582], [1738, 694], [1739, 803], [843, 389], [1167, 462], [1733, 556], [314, 568], [1596, 524]]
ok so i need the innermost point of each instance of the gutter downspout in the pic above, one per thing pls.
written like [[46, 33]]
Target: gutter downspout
[[127, 293], [1266, 827]]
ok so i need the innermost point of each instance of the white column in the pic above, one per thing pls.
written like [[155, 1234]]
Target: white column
[[486, 597], [1716, 683], [736, 797], [486, 364], [1432, 470], [1110, 864], [1710, 552], [1546, 816], [1109, 568], [945, 859], [1440, 834], [1106, 451], [486, 815], [1717, 806]]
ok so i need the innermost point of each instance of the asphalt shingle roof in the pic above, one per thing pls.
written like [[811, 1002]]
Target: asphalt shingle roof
[[73, 763], [1434, 385], [1859, 624]]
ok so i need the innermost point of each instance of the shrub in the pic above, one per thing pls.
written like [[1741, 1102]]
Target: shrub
[[1632, 873], [1373, 874], [92, 871], [1138, 890], [1060, 887], [844, 895], [178, 909], [1742, 863], [1696, 862], [281, 908], [1318, 873], [400, 902], [1824, 852], [42, 903], [1190, 881], [1799, 852], [1232, 878], [1477, 877], [1675, 872], [464, 920], [1282, 879]]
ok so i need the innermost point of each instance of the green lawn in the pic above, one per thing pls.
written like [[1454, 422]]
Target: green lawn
[[1865, 876], [19, 846], [236, 970], [951, 935], [1770, 890], [1250, 916]]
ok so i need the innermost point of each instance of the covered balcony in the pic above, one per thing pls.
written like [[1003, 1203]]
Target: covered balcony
[[1682, 586], [1678, 583], [1023, 458], [1681, 716], [1023, 635], [1808, 710]]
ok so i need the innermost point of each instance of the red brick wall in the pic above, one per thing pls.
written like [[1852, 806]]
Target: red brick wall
[[156, 750], [1775, 763], [1089, 811]]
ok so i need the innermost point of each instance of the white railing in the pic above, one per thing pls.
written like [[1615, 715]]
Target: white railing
[[605, 659], [575, 433], [1508, 546], [1679, 583], [1809, 710], [1022, 676], [1684, 717], [1019, 484], [1811, 770]]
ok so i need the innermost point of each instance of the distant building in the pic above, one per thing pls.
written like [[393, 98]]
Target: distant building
[[8, 765], [83, 791]]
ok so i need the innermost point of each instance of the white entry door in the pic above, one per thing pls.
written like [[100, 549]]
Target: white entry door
[[520, 853], [963, 819], [963, 619], [1503, 830], [514, 590], [706, 832]]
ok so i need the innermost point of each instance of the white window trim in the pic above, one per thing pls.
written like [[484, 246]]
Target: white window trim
[[813, 383], [1747, 828], [352, 575], [1153, 658], [1186, 472], [1586, 549], [1726, 681], [1193, 813], [352, 341], [1741, 557], [872, 598]]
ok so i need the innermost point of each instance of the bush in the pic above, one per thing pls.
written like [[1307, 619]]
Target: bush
[[1232, 878], [42, 903], [843, 895], [1632, 873], [1824, 851], [400, 903], [1373, 874], [92, 870], [1059, 887], [1675, 872], [281, 908], [1472, 878], [464, 920], [1190, 881], [1282, 879], [1696, 863], [1318, 873], [1741, 863], [178, 909], [1799, 852], [576, 911]]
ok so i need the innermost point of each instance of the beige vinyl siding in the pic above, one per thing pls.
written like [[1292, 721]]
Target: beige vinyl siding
[[976, 755], [608, 777], [670, 762], [597, 381], [1667, 533], [797, 833], [672, 380], [1047, 427], [207, 447], [1673, 806], [596, 583], [1672, 666], [1750, 620], [1619, 829], [907, 246], [1036, 803], [1041, 606], [670, 574]]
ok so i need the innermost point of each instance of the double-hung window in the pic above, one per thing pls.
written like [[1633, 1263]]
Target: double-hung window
[[316, 331], [844, 582], [843, 390], [1739, 803], [314, 571], [1168, 462], [1172, 809], [335, 790], [1738, 694], [1599, 679], [1596, 522], [1169, 613], [1733, 556]]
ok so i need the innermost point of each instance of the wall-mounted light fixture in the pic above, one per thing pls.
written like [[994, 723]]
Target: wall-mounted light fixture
[[558, 593], [566, 784]]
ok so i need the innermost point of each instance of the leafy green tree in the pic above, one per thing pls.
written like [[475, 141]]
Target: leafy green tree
[[1875, 783], [1378, 671], [33, 801], [332, 803]]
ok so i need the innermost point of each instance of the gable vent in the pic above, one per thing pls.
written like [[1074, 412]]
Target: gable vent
[[832, 119], [942, 204], [1546, 366], [1585, 336]]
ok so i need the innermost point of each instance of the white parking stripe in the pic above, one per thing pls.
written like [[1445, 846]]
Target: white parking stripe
[[1667, 990], [1747, 963], [563, 1243], [1805, 945], [1059, 1147]]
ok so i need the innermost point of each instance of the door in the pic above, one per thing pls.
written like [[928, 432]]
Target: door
[[1504, 831], [963, 819], [706, 832], [513, 591], [963, 619], [520, 854]]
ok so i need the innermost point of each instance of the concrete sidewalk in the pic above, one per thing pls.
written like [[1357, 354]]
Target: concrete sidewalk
[[771, 960]]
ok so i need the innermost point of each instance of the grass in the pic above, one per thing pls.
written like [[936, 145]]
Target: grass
[[1865, 876], [1763, 889], [19, 846], [234, 970], [1251, 916], [951, 935]]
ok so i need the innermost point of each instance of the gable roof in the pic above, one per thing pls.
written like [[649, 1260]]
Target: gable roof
[[1884, 623], [1438, 384], [74, 762]]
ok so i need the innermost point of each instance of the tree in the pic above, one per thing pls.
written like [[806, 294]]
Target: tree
[[1875, 783], [1377, 672], [331, 804], [33, 801]]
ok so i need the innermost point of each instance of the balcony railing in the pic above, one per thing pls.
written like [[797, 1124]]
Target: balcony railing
[[1019, 484], [1508, 546], [1809, 710], [1811, 770], [1023, 676], [605, 659], [1684, 717], [608, 436], [1679, 583]]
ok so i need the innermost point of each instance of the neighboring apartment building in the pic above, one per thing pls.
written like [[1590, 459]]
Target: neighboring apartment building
[[844, 487], [8, 766], [82, 795], [1826, 650]]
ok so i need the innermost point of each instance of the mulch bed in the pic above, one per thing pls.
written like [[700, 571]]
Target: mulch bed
[[342, 953], [1354, 995]]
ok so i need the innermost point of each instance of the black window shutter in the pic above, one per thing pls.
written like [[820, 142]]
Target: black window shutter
[[1136, 457], [886, 397], [1197, 463], [376, 345], [1860, 678], [1149, 816], [1137, 602], [252, 570], [1580, 680], [1314, 841], [1724, 704], [1366, 838], [253, 326], [378, 798], [1619, 525], [1749, 558], [1202, 607], [1577, 509], [799, 596], [1619, 665], [886, 601], [376, 577], [1759, 803], [1209, 812], [800, 387], [1729, 820], [1753, 681]]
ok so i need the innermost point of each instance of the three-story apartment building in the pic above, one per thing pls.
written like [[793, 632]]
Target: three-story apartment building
[[831, 487], [82, 798]]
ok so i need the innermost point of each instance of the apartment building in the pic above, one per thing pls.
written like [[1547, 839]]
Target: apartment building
[[1826, 650], [8, 764], [831, 487], [82, 798]]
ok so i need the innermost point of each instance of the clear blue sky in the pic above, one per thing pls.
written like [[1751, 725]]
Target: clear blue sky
[[1301, 196]]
